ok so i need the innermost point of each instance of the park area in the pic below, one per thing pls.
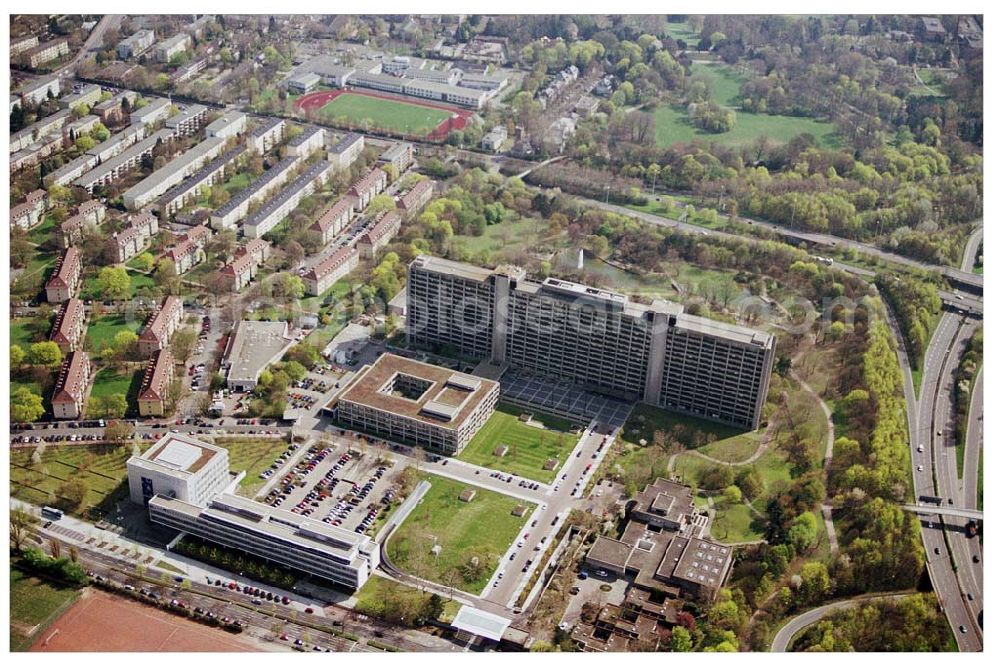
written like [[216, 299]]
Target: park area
[[103, 622], [673, 124], [102, 329], [528, 445], [455, 542], [364, 109], [34, 604]]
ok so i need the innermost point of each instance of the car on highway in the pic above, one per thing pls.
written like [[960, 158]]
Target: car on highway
[[962, 628], [937, 551], [920, 468]]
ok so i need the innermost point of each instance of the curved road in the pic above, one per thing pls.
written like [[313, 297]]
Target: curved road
[[800, 622]]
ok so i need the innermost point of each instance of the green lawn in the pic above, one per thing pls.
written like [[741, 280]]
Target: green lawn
[[26, 330], [529, 446], [102, 329], [138, 281], [101, 467], [506, 240], [483, 528], [253, 455], [673, 126], [34, 603], [384, 113], [736, 524], [43, 232], [723, 81], [109, 382], [378, 591]]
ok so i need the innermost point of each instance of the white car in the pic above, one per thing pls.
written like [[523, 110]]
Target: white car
[[920, 449], [920, 468]]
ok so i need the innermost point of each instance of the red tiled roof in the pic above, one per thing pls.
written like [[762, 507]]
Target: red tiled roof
[[70, 385], [154, 379]]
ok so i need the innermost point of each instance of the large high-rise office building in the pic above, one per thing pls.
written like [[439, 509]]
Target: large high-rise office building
[[654, 353]]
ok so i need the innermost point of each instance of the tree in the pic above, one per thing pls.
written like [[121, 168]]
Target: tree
[[46, 354], [165, 275], [145, 262], [380, 203], [74, 490], [815, 582], [114, 283], [118, 432], [183, 343], [16, 356], [680, 640], [25, 405]]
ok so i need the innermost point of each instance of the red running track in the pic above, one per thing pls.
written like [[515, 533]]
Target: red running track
[[312, 102]]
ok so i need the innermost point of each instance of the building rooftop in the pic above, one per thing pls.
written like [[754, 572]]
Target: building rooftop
[[456, 268], [174, 167], [417, 390], [308, 133], [254, 187], [345, 142], [195, 180], [289, 191], [154, 379], [178, 454], [220, 123], [266, 125], [70, 384], [331, 263], [254, 346]]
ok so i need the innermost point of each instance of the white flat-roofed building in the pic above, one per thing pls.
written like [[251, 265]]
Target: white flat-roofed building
[[275, 210], [399, 155], [135, 44], [175, 45], [449, 77], [447, 93], [331, 72], [89, 94], [382, 82], [157, 110], [322, 276], [266, 135], [346, 150], [254, 346], [119, 143], [21, 44], [188, 120], [233, 211], [44, 53], [304, 544], [303, 83], [37, 90], [334, 219], [172, 173], [488, 82], [231, 124], [42, 128], [181, 467], [309, 141], [494, 139]]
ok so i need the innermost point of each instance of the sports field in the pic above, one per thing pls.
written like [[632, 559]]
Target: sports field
[[383, 113], [34, 603], [472, 535], [528, 446]]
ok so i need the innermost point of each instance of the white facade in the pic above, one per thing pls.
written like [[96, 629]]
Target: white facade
[[180, 467]]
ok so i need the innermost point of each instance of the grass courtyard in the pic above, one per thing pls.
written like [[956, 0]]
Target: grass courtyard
[[253, 454], [100, 467], [378, 593], [102, 330], [34, 604], [383, 113], [529, 446], [472, 536]]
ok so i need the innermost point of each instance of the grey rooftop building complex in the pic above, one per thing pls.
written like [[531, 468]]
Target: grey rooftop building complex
[[254, 346], [600, 339]]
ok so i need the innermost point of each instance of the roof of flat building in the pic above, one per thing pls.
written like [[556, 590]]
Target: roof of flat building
[[346, 142], [178, 454], [416, 390], [253, 188], [267, 125], [721, 329], [221, 122], [449, 267], [696, 561], [254, 345]]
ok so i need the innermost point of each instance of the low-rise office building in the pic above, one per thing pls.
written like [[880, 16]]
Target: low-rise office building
[[329, 70], [365, 188], [346, 150], [135, 44], [65, 281], [234, 210], [275, 210], [413, 201], [384, 229], [155, 386], [181, 467], [322, 276], [72, 386], [166, 318], [416, 403], [175, 45], [334, 219], [266, 135], [310, 140], [327, 552], [247, 259], [31, 211], [253, 346], [228, 125], [69, 326], [399, 155], [172, 173]]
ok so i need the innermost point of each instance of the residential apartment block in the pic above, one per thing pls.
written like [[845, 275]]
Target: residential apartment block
[[266, 135], [45, 53], [156, 380], [399, 155], [135, 44], [175, 45], [134, 238], [310, 140], [365, 188], [334, 219], [384, 229], [278, 208], [72, 386], [69, 326], [413, 201], [114, 168], [166, 318], [346, 150], [89, 214], [188, 190], [89, 94], [322, 276], [228, 125], [416, 403], [188, 120], [243, 268], [598, 338], [172, 173], [158, 109], [234, 210], [65, 281], [36, 91], [31, 211]]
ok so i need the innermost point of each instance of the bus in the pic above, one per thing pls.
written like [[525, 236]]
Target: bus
[[930, 499], [51, 514]]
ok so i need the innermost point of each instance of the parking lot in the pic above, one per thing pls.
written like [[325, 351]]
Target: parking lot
[[340, 486]]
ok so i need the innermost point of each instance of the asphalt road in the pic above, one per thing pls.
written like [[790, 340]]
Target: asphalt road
[[800, 622]]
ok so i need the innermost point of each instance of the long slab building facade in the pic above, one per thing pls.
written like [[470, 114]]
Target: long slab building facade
[[186, 485], [597, 338]]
